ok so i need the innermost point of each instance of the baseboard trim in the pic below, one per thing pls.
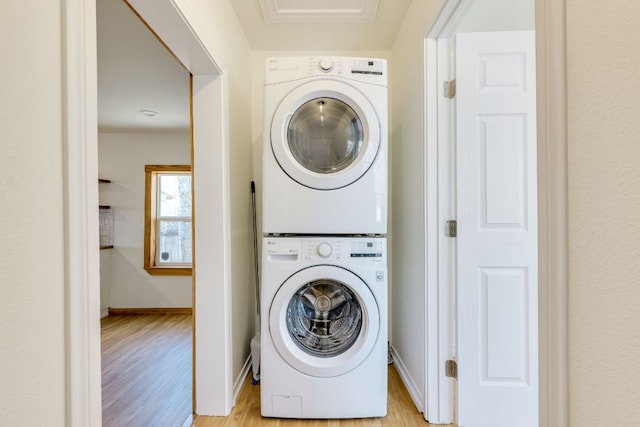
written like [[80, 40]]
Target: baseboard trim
[[413, 390], [189, 421], [241, 380], [150, 310]]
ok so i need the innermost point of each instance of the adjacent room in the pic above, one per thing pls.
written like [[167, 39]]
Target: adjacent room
[[144, 165]]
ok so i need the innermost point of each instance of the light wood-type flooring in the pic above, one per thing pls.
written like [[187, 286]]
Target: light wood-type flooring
[[401, 412], [146, 381], [146, 370]]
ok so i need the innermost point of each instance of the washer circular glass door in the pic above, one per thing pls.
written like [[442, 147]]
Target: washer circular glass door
[[325, 134], [324, 321]]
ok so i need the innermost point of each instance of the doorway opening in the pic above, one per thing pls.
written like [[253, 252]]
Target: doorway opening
[[213, 394], [147, 321], [441, 326]]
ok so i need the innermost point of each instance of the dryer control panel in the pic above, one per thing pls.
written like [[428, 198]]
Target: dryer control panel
[[285, 69]]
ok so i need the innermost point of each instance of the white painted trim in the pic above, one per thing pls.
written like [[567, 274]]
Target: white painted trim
[[214, 385], [432, 330], [179, 29], [174, 24], [552, 194], [414, 391], [449, 18], [440, 323], [446, 209], [188, 422], [316, 13], [82, 262], [83, 383], [240, 382], [439, 329], [553, 211]]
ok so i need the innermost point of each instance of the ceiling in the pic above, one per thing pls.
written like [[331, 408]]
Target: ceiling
[[329, 25], [136, 73]]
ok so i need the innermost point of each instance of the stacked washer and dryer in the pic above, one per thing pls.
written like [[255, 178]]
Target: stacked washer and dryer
[[323, 351]]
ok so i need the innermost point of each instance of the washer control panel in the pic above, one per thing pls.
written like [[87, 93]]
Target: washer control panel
[[348, 250], [362, 251]]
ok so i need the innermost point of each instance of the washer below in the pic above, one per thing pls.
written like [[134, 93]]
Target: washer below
[[324, 327]]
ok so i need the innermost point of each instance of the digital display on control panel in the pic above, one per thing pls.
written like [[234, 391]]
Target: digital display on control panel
[[367, 67], [366, 250]]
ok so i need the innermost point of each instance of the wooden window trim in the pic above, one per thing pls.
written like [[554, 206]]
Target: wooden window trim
[[150, 221]]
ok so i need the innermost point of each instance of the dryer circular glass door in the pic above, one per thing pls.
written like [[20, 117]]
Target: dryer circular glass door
[[324, 321], [325, 134]]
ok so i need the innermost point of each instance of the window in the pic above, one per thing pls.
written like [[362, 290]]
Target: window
[[168, 224]]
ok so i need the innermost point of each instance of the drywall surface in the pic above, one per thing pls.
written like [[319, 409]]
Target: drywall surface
[[499, 15], [121, 159], [603, 60], [32, 306], [408, 223]]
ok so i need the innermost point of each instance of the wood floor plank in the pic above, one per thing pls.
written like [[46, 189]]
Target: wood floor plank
[[400, 411], [146, 370], [146, 363]]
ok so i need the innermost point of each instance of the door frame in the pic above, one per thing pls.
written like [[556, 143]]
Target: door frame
[[552, 213], [173, 24]]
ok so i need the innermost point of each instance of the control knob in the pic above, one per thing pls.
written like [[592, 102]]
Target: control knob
[[324, 249], [325, 65]]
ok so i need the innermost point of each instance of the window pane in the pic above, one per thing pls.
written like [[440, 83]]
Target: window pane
[[174, 191], [174, 242]]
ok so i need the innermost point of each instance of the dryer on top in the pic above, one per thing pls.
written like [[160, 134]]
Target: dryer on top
[[325, 146]]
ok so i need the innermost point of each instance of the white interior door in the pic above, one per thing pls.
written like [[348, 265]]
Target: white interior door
[[497, 300]]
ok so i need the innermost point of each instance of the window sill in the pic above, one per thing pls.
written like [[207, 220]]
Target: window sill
[[169, 271]]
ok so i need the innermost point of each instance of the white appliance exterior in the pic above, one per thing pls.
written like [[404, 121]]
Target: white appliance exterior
[[300, 200], [297, 384]]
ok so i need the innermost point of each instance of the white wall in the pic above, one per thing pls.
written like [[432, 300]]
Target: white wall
[[121, 159], [32, 316], [499, 15], [603, 59], [408, 162]]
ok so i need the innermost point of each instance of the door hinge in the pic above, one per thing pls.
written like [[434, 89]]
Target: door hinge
[[451, 228], [451, 369], [449, 88]]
